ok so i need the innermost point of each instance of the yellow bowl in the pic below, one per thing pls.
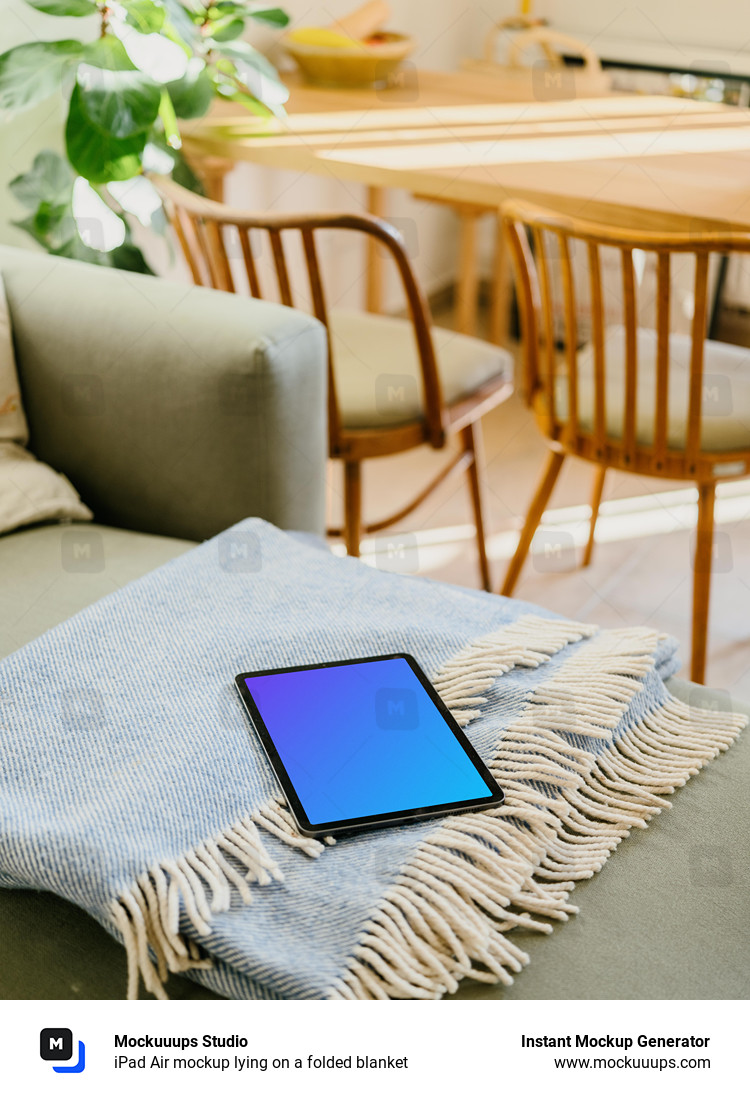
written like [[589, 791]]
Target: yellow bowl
[[361, 65]]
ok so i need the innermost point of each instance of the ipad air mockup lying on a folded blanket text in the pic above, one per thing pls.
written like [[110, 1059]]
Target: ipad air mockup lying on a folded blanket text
[[364, 743]]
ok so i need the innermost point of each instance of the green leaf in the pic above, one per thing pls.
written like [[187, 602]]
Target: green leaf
[[256, 73], [227, 28], [156, 55], [30, 73], [108, 52], [65, 7], [120, 101], [275, 17], [75, 249], [246, 55], [183, 22], [191, 96], [49, 180], [97, 155], [230, 93], [128, 258], [50, 225], [169, 121], [146, 16], [47, 189]]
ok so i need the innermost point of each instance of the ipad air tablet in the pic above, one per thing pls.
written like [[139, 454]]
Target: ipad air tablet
[[363, 744]]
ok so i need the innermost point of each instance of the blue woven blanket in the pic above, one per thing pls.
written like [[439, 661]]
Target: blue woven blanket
[[132, 785]]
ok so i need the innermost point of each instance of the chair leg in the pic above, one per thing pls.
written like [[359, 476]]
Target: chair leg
[[539, 503], [596, 499], [472, 441], [467, 289], [352, 507], [704, 541]]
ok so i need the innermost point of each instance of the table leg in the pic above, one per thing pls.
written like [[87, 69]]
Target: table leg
[[467, 288], [213, 172], [500, 290], [376, 205]]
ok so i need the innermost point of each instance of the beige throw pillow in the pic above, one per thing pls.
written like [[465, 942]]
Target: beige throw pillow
[[13, 424], [30, 491]]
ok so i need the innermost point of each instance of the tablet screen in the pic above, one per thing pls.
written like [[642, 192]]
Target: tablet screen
[[365, 741]]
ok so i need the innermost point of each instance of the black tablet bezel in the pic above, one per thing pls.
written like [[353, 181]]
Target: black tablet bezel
[[351, 825]]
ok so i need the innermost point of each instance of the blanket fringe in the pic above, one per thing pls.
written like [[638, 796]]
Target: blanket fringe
[[201, 881], [276, 819], [482, 875], [526, 643], [626, 787]]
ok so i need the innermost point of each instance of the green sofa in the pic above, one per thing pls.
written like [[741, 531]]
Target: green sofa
[[177, 412]]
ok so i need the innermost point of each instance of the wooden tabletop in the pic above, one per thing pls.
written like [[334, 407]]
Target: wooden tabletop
[[641, 161]]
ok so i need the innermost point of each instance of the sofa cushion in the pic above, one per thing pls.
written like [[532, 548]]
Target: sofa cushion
[[49, 573]]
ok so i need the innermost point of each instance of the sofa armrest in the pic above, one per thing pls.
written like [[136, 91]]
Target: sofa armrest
[[173, 410]]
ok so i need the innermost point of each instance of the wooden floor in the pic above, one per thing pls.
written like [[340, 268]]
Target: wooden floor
[[641, 569]]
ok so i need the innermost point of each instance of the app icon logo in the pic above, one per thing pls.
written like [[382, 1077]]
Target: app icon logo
[[56, 1045]]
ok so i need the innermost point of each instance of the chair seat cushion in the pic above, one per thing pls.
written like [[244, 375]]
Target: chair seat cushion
[[726, 390], [378, 377]]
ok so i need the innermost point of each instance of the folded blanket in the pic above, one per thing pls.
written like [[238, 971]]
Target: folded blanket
[[132, 784]]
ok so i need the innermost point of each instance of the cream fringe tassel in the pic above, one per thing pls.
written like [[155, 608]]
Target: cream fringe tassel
[[148, 914], [566, 809]]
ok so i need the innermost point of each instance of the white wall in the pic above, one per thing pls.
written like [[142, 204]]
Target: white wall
[[680, 32]]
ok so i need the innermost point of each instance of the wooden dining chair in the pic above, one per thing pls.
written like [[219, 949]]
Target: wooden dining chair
[[648, 402], [394, 384]]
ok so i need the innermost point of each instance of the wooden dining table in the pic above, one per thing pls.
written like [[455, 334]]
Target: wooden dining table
[[638, 161]]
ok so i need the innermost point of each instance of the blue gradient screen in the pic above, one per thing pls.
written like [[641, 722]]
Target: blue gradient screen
[[363, 739]]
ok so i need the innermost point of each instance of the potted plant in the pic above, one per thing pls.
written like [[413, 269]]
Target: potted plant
[[146, 65]]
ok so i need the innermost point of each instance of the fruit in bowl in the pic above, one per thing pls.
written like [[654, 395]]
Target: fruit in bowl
[[326, 56]]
